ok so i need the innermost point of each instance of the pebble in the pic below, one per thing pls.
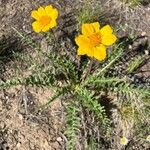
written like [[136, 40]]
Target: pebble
[[7, 97], [20, 116], [2, 125], [59, 139], [143, 33], [130, 46], [146, 52], [18, 145]]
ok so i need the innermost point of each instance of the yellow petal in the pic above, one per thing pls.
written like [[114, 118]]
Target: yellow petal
[[82, 41], [100, 52], [50, 11], [53, 23], [41, 11], [123, 141], [148, 138], [106, 30], [34, 14], [36, 26], [46, 28], [90, 52], [81, 51], [96, 26], [49, 26], [87, 29], [54, 13], [108, 39]]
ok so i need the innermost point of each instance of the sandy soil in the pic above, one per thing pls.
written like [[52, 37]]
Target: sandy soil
[[20, 127]]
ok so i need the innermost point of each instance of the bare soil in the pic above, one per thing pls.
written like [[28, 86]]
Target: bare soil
[[20, 127]]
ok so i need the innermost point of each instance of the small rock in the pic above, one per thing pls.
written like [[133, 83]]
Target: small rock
[[146, 52], [130, 46], [7, 97], [20, 116], [18, 145], [59, 139], [2, 125], [143, 33]]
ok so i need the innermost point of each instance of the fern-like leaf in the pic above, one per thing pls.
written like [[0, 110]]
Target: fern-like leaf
[[92, 105], [72, 125]]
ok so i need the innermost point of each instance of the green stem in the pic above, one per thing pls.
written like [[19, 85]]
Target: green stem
[[88, 70]]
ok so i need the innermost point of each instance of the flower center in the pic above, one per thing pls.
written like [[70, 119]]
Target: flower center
[[95, 39], [45, 20]]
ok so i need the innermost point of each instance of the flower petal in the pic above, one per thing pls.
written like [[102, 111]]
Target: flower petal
[[96, 26], [46, 28], [90, 52], [108, 39], [148, 138], [34, 14], [81, 51], [100, 52], [123, 141], [49, 26], [54, 13], [106, 30], [41, 11], [53, 23], [82, 41], [36, 26], [87, 29], [50, 11]]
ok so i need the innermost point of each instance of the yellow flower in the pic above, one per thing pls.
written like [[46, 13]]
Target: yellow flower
[[123, 141], [93, 40], [45, 18], [148, 138]]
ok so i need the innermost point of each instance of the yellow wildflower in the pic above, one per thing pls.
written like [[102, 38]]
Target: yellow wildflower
[[148, 138], [45, 18], [123, 141], [93, 40]]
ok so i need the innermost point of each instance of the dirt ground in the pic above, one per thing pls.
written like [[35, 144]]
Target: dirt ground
[[20, 127]]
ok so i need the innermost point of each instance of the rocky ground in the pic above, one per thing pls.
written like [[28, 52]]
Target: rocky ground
[[20, 127]]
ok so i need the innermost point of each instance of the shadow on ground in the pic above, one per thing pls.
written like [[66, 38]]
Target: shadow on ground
[[8, 46]]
